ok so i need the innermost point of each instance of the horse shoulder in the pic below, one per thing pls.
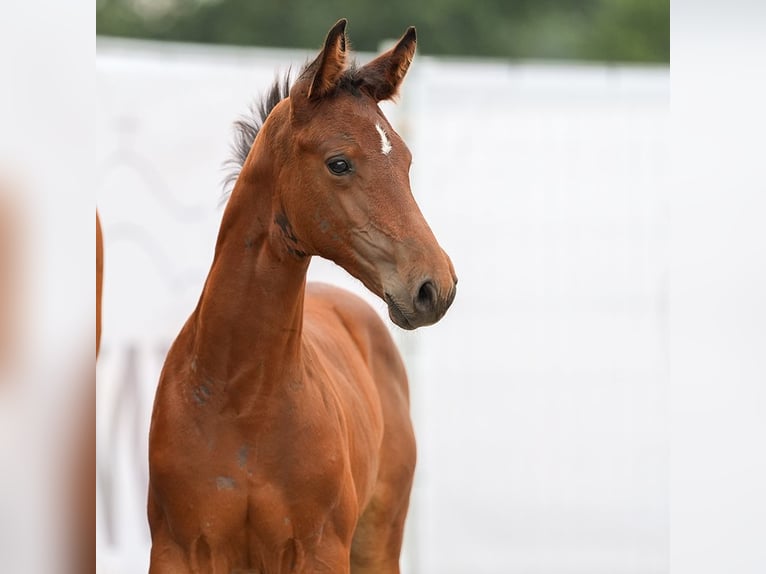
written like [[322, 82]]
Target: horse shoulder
[[359, 321]]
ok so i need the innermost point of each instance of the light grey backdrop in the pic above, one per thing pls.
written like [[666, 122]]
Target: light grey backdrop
[[540, 399]]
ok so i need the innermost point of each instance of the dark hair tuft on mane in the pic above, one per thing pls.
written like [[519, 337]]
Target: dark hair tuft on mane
[[248, 126]]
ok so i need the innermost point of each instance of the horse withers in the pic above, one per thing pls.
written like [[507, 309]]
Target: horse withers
[[281, 439]]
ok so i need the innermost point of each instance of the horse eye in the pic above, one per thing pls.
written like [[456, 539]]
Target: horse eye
[[338, 166]]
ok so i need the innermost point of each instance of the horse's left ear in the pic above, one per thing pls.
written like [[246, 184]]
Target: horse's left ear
[[382, 77], [331, 62]]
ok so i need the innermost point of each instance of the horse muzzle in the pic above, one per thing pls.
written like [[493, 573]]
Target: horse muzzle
[[421, 306]]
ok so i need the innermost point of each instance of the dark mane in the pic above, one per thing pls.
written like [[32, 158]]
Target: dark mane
[[246, 128]]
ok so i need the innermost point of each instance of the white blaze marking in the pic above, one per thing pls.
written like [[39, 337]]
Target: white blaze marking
[[385, 145]]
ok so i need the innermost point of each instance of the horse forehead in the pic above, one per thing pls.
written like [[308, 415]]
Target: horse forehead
[[370, 132], [357, 119], [357, 115]]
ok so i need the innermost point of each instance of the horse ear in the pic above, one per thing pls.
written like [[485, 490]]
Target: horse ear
[[383, 76], [331, 62]]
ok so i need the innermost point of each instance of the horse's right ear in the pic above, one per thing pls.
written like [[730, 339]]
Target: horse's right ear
[[382, 77], [329, 65]]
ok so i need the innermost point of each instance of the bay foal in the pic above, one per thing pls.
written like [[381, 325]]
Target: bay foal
[[281, 439]]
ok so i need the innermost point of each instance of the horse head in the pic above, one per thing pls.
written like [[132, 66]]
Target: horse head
[[343, 186]]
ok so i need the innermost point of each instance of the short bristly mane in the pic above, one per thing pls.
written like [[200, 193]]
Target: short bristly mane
[[246, 128]]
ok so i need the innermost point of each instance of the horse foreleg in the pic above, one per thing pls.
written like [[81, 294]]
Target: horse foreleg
[[377, 541]]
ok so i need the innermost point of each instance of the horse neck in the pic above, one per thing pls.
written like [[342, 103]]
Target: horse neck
[[250, 315]]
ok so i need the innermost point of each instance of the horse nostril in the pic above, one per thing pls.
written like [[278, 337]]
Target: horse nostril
[[425, 301]]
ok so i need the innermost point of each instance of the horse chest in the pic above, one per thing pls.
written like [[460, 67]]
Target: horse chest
[[252, 499], [277, 474]]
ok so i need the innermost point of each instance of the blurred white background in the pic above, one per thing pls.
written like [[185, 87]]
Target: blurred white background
[[539, 401]]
